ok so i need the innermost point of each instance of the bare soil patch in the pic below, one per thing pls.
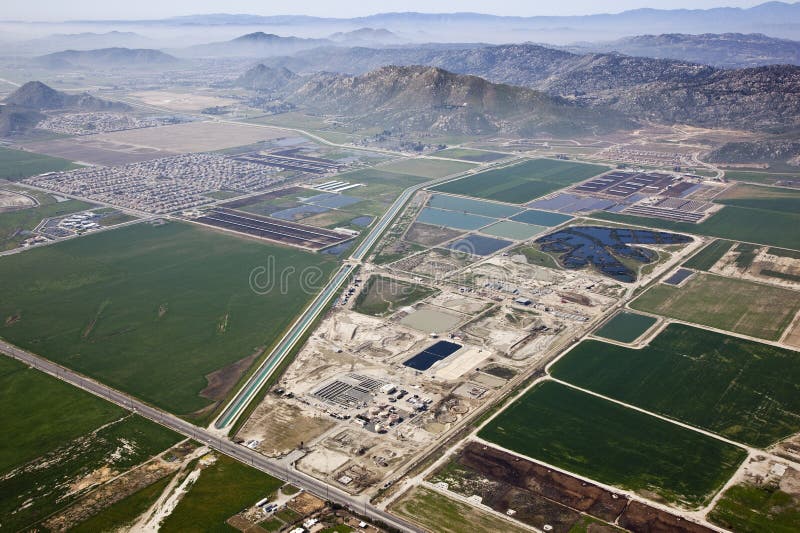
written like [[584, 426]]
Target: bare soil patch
[[221, 381], [305, 504], [281, 427], [429, 235], [540, 495]]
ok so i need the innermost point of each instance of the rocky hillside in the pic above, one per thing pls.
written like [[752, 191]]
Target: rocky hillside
[[37, 96], [15, 120], [107, 57], [763, 151], [268, 79], [761, 99], [726, 50], [663, 90], [431, 99]]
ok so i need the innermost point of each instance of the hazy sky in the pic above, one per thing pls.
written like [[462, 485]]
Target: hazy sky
[[127, 9]]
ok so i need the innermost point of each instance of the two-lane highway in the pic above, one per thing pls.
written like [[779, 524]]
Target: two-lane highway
[[359, 504]]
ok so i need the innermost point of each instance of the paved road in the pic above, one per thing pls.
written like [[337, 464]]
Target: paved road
[[245, 455]]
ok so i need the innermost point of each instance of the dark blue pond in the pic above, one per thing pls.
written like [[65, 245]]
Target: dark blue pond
[[478, 245], [679, 275], [426, 358], [602, 247], [338, 249], [362, 221]]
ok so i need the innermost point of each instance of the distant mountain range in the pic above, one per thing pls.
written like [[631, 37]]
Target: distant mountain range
[[528, 65], [366, 37], [258, 44], [418, 98], [659, 90], [79, 41], [727, 50], [106, 57], [772, 18]]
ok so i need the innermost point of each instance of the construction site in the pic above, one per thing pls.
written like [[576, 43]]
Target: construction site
[[413, 347]]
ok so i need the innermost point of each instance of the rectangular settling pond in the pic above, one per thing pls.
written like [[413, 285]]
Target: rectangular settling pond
[[427, 358]]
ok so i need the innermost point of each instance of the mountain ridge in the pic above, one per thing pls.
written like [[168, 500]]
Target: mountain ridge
[[420, 98], [37, 96]]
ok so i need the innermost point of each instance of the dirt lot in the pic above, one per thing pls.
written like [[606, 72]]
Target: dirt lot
[[181, 101], [10, 201], [281, 427], [792, 334], [193, 136], [785, 271], [435, 263], [428, 235], [91, 149], [542, 496], [120, 487], [305, 503]]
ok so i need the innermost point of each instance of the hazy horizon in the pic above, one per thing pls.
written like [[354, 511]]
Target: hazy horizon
[[56, 11]]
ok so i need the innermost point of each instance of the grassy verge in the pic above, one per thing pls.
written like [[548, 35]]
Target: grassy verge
[[748, 508], [19, 164], [437, 512]]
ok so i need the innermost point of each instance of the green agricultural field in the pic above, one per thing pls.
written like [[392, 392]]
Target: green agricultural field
[[775, 199], [426, 168], [746, 508], [767, 178], [625, 327], [62, 434], [382, 296], [477, 156], [732, 222], [210, 500], [18, 164], [535, 256], [153, 310], [523, 182], [741, 389], [746, 254], [223, 195], [614, 444], [709, 255], [31, 417], [380, 190], [14, 224], [731, 304], [793, 254], [437, 512], [124, 512]]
